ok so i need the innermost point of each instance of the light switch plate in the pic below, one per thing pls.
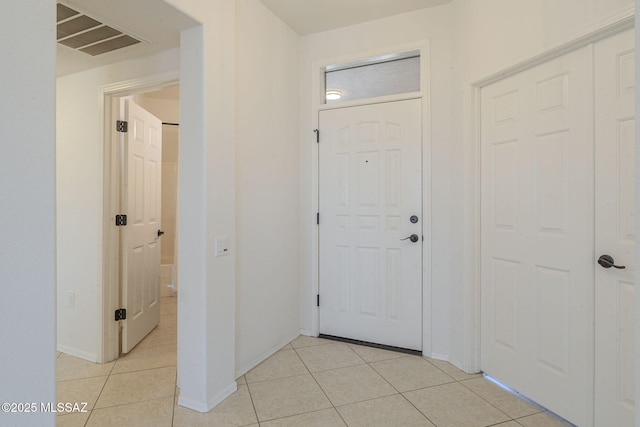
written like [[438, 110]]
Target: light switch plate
[[222, 246]]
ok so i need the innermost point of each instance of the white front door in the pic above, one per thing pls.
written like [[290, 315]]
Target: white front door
[[140, 238], [615, 231], [370, 205], [537, 234]]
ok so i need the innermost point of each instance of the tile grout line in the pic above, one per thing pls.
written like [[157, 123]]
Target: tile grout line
[[134, 402], [142, 369], [175, 395], [399, 392], [499, 409], [459, 381], [253, 405], [175, 387], [453, 380], [105, 384], [320, 387], [366, 362], [99, 394], [551, 414]]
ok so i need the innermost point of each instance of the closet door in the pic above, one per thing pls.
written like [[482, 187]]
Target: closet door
[[538, 233], [615, 230]]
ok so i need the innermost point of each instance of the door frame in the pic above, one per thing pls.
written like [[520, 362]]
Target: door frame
[[318, 69], [350, 324], [611, 25], [109, 344]]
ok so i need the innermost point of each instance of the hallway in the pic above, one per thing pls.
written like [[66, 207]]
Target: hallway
[[309, 382]]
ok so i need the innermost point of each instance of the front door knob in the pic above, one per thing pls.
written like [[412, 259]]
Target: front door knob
[[414, 238], [606, 261]]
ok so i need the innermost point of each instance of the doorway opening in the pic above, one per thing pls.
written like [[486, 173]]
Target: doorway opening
[[370, 166], [165, 104], [370, 225], [159, 97]]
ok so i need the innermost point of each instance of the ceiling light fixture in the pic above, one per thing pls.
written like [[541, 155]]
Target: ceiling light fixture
[[333, 95]]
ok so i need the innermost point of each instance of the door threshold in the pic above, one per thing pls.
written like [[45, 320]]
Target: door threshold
[[372, 344]]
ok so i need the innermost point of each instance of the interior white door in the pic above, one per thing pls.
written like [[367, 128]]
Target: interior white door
[[537, 234], [370, 187], [140, 241], [615, 231]]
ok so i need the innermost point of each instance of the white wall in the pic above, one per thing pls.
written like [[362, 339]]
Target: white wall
[[206, 208], [27, 175], [215, 169], [637, 220], [267, 184], [493, 34], [206, 324], [27, 200], [469, 39], [227, 121], [488, 36], [79, 197]]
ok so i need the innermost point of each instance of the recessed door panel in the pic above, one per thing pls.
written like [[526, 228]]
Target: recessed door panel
[[537, 233], [505, 185], [552, 182], [553, 318], [505, 290]]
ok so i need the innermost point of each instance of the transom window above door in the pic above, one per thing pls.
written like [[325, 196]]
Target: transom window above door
[[386, 75]]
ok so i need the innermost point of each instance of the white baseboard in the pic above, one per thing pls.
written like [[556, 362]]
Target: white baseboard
[[215, 400], [458, 364], [240, 371], [204, 407], [78, 353]]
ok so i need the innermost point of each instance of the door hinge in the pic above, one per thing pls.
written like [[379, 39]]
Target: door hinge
[[121, 220], [318, 218], [122, 126], [317, 132], [318, 300], [121, 314]]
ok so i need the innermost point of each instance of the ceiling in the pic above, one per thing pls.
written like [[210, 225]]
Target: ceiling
[[312, 16], [162, 31], [159, 33]]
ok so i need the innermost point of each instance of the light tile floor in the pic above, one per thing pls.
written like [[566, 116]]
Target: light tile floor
[[310, 382]]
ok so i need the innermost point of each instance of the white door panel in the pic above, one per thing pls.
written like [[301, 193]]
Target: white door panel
[[537, 228], [615, 230], [552, 318], [141, 244], [370, 186]]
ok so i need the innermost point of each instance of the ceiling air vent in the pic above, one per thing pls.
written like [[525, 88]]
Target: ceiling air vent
[[80, 32]]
